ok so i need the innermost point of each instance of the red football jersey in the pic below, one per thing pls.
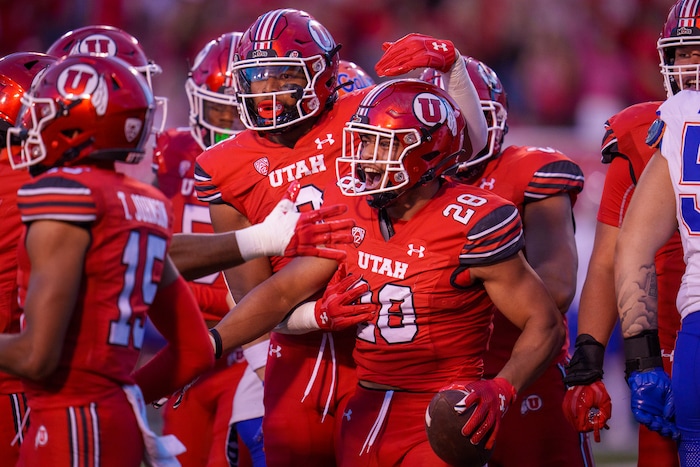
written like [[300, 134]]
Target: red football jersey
[[624, 140], [525, 174], [434, 323], [175, 154], [252, 174], [11, 231], [130, 225]]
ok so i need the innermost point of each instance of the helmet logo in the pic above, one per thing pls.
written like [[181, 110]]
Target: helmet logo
[[132, 128], [684, 31], [321, 35], [96, 44], [81, 81], [429, 109], [77, 81]]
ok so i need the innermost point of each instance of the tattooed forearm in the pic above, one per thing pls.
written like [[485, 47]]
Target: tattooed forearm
[[637, 301]]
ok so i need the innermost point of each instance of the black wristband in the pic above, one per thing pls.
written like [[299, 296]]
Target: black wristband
[[642, 352], [218, 345], [586, 365]]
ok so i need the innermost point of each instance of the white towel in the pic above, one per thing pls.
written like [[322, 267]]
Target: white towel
[[161, 451]]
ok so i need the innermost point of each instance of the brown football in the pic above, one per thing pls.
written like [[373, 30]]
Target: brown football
[[444, 427]]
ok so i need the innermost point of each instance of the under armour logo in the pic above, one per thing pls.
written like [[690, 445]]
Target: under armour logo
[[324, 318], [275, 351], [420, 250], [441, 46], [487, 184], [502, 405], [320, 142], [669, 355], [347, 415]]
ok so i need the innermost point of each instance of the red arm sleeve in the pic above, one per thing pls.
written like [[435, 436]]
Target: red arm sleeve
[[187, 354]]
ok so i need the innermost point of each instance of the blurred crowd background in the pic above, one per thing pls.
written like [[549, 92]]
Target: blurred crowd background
[[566, 65], [559, 60]]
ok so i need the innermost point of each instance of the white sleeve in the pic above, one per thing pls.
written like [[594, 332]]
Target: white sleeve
[[460, 87]]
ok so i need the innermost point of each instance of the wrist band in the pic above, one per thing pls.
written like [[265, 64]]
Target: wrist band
[[256, 354], [642, 352], [218, 345]]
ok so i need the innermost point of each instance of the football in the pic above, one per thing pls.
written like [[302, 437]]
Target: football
[[444, 427]]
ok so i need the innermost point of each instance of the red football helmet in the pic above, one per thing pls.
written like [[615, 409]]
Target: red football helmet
[[351, 78], [211, 86], [682, 28], [17, 72], [83, 106], [115, 42], [494, 103], [278, 43], [405, 133]]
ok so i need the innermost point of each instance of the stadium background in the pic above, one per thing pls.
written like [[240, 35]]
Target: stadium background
[[567, 67]]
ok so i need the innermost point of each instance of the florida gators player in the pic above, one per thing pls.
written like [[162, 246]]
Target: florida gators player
[[543, 183], [202, 419], [17, 71], [287, 72], [624, 147], [663, 404]]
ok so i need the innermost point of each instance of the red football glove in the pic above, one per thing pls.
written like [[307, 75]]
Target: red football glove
[[493, 397], [337, 309], [588, 408], [415, 51]]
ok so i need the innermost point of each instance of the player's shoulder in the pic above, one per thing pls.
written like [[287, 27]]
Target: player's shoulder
[[472, 197], [630, 117], [533, 155]]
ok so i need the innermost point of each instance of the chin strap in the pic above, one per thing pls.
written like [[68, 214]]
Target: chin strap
[[386, 227]]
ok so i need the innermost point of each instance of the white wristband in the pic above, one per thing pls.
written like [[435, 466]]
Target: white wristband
[[256, 355], [300, 321], [271, 236]]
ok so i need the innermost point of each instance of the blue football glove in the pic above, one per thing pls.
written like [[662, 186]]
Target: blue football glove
[[652, 401]]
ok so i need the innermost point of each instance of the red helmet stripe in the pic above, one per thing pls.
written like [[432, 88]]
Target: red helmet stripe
[[688, 14]]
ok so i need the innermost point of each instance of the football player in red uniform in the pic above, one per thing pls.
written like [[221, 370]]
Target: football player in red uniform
[[543, 183], [202, 419], [287, 72], [431, 255], [92, 261], [17, 71], [624, 147]]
